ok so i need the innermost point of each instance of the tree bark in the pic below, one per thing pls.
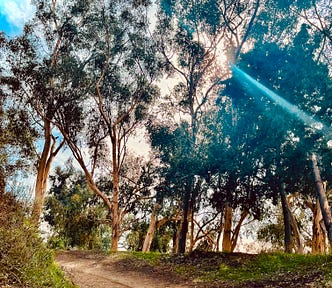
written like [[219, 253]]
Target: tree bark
[[182, 238], [318, 231], [43, 170], [151, 230], [287, 220], [192, 228], [115, 196], [236, 233], [296, 234], [2, 182], [321, 194], [226, 240]]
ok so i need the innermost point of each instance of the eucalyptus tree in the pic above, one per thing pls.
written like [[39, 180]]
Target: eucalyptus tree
[[194, 37], [285, 154], [32, 66], [115, 56], [88, 70]]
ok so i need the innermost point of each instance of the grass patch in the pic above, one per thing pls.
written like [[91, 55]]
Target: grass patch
[[267, 269], [270, 266], [152, 258]]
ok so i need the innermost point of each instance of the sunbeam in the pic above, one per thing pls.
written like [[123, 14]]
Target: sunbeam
[[248, 82]]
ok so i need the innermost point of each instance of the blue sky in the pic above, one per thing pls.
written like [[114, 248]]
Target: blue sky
[[13, 15]]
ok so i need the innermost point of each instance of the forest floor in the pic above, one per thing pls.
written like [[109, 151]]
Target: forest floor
[[200, 270]]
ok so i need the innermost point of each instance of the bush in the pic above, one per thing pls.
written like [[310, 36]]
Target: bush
[[24, 259]]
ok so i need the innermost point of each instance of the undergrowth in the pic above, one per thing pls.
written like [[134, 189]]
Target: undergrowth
[[24, 259], [246, 270]]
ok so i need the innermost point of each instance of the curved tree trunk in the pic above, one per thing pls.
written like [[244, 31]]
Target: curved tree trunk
[[236, 233], [321, 194], [43, 170], [151, 230]]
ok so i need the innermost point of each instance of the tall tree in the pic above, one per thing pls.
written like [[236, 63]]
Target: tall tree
[[118, 60], [191, 36]]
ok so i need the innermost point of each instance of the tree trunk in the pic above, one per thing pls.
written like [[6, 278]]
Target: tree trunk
[[219, 234], [43, 171], [151, 230], [2, 182], [192, 229], [318, 231], [296, 234], [236, 233], [182, 238], [115, 196], [226, 240], [324, 205], [287, 220]]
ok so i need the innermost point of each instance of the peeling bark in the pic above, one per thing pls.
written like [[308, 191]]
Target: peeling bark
[[321, 194]]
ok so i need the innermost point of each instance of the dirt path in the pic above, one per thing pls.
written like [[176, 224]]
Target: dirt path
[[99, 271]]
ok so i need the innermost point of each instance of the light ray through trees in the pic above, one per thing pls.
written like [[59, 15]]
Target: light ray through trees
[[253, 86]]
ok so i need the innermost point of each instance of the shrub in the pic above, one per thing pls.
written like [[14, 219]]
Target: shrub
[[24, 259]]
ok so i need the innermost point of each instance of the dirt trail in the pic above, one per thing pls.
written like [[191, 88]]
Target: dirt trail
[[99, 271]]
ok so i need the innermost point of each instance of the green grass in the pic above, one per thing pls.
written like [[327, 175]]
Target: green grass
[[273, 267], [240, 268], [267, 266]]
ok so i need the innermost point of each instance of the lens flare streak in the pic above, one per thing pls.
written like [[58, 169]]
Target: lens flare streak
[[246, 80]]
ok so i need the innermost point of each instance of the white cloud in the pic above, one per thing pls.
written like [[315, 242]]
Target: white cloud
[[17, 12]]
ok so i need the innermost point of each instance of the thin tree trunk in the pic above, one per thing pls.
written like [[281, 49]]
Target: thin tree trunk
[[226, 240], [151, 230], [2, 182], [219, 234], [182, 238], [192, 226], [236, 233], [115, 196], [287, 220], [324, 205]]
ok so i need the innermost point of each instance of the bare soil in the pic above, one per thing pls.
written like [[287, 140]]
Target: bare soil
[[93, 270]]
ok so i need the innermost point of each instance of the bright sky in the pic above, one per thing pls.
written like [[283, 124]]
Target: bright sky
[[13, 15]]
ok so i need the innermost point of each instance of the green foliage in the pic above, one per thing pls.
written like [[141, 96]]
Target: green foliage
[[135, 238], [76, 216], [160, 242], [24, 259]]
